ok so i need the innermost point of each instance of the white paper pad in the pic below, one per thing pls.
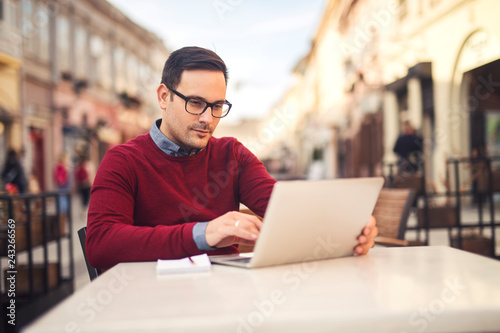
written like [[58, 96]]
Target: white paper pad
[[200, 263]]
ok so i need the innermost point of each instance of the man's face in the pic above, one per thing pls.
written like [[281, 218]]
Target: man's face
[[187, 130]]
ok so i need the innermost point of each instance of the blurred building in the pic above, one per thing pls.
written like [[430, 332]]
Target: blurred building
[[80, 76], [243, 130], [291, 130], [10, 77], [374, 64]]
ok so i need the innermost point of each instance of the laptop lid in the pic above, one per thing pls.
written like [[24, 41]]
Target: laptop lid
[[312, 220]]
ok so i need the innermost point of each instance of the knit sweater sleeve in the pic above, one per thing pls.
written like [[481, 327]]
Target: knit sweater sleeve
[[112, 236], [254, 182]]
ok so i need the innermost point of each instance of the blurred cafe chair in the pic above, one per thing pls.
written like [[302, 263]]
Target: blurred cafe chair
[[93, 272], [391, 211]]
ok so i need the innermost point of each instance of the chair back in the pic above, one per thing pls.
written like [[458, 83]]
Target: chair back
[[93, 272], [391, 211]]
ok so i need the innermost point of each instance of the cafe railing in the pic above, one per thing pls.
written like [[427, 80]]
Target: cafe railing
[[36, 255], [468, 179]]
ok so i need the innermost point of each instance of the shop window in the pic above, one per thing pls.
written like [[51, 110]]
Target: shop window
[[101, 61], [132, 74], [402, 97], [96, 51], [28, 27], [105, 66], [42, 23], [10, 12], [63, 53], [81, 59], [119, 67]]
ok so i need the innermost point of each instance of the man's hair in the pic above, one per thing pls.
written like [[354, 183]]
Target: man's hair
[[190, 58]]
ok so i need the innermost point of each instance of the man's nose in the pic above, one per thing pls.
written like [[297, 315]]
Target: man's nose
[[206, 117]]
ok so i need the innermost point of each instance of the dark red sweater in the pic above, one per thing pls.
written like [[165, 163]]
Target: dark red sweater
[[144, 203]]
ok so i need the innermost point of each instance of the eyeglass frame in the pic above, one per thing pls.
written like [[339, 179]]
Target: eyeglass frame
[[209, 105]]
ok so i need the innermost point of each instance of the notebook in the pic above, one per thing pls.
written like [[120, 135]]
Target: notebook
[[194, 264], [310, 220]]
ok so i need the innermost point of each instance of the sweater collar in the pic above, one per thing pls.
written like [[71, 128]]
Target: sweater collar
[[168, 146]]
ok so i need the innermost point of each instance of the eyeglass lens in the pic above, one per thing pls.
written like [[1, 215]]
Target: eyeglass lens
[[197, 106]]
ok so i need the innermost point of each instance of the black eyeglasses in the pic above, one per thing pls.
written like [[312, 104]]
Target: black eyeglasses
[[197, 106]]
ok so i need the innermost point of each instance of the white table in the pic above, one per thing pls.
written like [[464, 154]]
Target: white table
[[414, 289]]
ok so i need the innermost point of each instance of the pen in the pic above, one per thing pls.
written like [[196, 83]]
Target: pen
[[191, 261]]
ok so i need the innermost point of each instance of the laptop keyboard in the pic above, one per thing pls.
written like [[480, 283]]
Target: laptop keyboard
[[243, 260]]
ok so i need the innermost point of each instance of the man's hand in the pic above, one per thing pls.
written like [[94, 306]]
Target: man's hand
[[233, 228], [368, 233]]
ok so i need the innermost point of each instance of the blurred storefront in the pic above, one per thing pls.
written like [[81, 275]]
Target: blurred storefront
[[76, 78]]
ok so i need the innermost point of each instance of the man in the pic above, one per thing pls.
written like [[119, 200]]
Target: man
[[13, 172], [175, 191], [408, 147]]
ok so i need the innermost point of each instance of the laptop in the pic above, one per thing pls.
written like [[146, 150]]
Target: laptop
[[310, 220]]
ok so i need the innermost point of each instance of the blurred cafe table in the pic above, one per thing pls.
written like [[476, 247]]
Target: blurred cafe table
[[412, 289]]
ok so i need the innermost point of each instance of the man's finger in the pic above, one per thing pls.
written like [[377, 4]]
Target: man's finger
[[244, 229], [243, 241], [364, 248], [372, 221], [252, 219], [370, 227], [246, 234]]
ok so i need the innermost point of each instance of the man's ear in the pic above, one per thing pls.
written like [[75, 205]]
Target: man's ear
[[163, 94]]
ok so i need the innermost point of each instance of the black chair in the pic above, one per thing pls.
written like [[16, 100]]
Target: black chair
[[93, 272]]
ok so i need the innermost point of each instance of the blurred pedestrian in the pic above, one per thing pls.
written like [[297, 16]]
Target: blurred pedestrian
[[13, 172], [83, 180], [61, 177], [408, 147]]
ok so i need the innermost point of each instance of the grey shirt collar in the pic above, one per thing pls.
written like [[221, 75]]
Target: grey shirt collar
[[166, 145]]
